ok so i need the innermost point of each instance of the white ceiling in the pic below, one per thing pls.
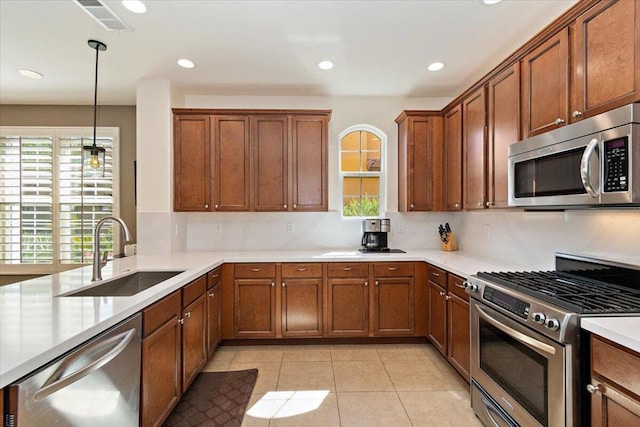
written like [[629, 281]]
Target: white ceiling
[[380, 48]]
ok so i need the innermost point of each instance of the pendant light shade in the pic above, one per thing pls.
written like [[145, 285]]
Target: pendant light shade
[[92, 153]]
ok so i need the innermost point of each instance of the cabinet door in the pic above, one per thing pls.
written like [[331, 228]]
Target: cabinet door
[[255, 307], [419, 164], [214, 302], [459, 337], [611, 408], [309, 163], [438, 317], [194, 351], [607, 58], [394, 306], [452, 192], [348, 307], [545, 86], [191, 167], [301, 307], [504, 130], [231, 173], [473, 137], [269, 141], [161, 360]]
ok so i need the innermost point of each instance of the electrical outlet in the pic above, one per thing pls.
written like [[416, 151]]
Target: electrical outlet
[[291, 228], [487, 231], [218, 228], [400, 228], [177, 230]]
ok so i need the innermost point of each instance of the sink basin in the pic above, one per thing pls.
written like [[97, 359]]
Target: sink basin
[[125, 286]]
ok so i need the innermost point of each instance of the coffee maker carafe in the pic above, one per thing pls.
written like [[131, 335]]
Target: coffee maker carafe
[[374, 237]]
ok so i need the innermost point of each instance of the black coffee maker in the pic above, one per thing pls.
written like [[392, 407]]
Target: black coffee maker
[[374, 237]]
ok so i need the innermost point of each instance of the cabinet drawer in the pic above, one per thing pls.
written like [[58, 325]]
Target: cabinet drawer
[[160, 313], [618, 365], [249, 271], [455, 285], [438, 276], [193, 290], [348, 269], [214, 277], [393, 269], [302, 270]]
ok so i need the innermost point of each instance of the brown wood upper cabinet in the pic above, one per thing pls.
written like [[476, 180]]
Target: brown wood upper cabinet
[[250, 160], [419, 160], [452, 152], [607, 58], [503, 130], [474, 149]]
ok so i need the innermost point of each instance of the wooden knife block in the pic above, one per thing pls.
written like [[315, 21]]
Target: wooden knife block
[[451, 245]]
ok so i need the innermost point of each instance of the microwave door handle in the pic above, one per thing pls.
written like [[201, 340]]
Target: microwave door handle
[[584, 167], [519, 336], [54, 383]]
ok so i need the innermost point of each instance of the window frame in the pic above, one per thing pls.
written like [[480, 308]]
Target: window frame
[[382, 174], [58, 133]]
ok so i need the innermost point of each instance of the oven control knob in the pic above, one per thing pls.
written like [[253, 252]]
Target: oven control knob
[[552, 324], [539, 318], [471, 287]]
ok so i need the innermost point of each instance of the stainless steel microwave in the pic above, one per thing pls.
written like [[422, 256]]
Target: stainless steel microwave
[[591, 163]]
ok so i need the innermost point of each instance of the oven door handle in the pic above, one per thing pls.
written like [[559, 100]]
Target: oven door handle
[[524, 339]]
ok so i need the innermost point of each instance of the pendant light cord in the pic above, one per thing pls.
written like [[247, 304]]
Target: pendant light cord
[[95, 99]]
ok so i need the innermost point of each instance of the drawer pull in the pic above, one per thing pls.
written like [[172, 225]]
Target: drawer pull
[[301, 269], [458, 285], [394, 268], [447, 298], [212, 294], [181, 321], [255, 270], [441, 294], [592, 388], [188, 314], [215, 276], [435, 274], [347, 268]]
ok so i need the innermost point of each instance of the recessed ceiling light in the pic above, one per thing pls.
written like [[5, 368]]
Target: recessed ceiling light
[[185, 63], [436, 66], [490, 2], [30, 74], [325, 65], [135, 6]]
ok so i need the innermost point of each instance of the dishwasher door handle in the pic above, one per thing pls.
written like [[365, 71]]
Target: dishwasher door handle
[[58, 380]]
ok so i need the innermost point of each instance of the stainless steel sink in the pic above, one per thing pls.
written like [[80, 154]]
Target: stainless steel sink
[[125, 286]]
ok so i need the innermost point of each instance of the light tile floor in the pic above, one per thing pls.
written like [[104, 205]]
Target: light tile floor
[[350, 385]]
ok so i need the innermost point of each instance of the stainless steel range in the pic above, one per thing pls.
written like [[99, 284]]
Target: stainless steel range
[[527, 362]]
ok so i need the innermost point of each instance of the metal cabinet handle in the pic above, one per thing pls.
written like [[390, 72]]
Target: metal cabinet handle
[[215, 276], [255, 270], [273, 284], [347, 268], [577, 114], [188, 314], [441, 294], [295, 206], [212, 294], [447, 298], [458, 285], [283, 284], [559, 121], [480, 204], [487, 204], [377, 283], [181, 321], [366, 284], [216, 206], [301, 269], [457, 205], [284, 206], [206, 206], [592, 388], [393, 268], [435, 274], [412, 206]]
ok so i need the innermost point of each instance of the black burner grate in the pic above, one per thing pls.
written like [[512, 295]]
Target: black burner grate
[[575, 293]]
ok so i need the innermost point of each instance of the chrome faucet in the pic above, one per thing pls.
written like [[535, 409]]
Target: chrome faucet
[[97, 263]]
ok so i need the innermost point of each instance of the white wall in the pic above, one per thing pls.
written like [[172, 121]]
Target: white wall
[[526, 238]]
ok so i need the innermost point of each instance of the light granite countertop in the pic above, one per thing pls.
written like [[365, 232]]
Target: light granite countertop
[[38, 325]]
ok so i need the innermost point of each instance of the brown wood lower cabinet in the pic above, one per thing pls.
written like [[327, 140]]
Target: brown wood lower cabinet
[[615, 384], [194, 350], [214, 307], [301, 300], [255, 301], [393, 298], [348, 299], [449, 329], [161, 359]]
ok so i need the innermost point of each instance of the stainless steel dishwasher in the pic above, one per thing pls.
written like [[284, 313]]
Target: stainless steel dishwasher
[[96, 384]]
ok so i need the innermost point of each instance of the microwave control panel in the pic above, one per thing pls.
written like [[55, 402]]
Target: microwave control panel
[[616, 165]]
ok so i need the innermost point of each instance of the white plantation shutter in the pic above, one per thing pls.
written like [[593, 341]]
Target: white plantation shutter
[[49, 206]]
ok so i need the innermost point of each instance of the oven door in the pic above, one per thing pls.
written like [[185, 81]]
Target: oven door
[[523, 371]]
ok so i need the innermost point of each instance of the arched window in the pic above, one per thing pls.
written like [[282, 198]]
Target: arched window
[[362, 171]]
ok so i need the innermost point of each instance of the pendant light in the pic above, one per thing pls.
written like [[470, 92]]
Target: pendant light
[[93, 152]]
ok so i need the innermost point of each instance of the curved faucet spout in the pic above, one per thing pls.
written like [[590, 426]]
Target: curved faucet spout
[[97, 264]]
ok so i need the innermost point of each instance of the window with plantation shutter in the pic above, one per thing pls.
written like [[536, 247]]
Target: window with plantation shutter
[[50, 201]]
